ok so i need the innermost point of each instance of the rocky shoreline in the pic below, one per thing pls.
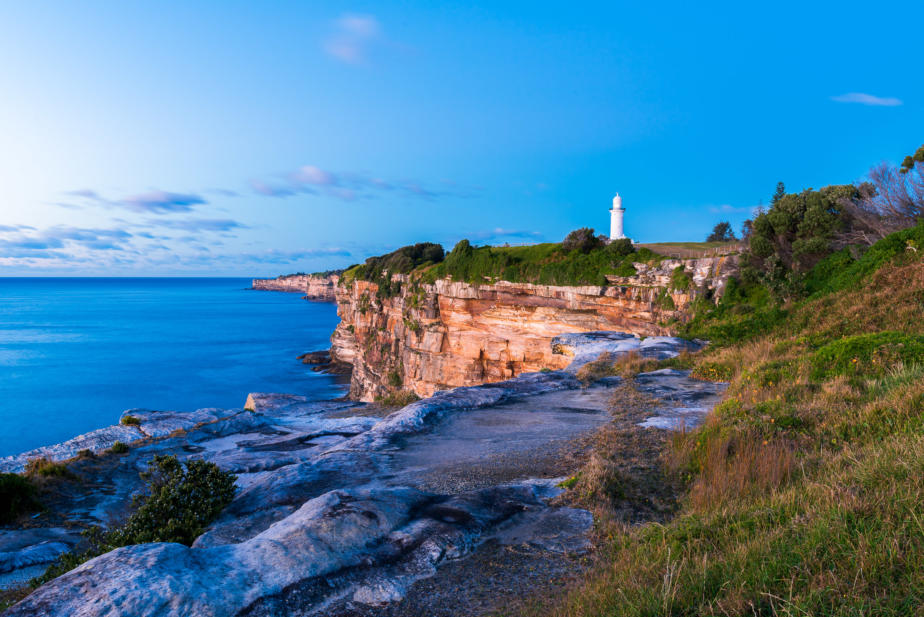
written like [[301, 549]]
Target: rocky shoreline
[[339, 512], [317, 287]]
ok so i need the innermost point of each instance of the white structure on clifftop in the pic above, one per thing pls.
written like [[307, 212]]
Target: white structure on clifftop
[[616, 213]]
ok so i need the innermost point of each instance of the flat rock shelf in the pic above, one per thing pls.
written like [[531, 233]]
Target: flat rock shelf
[[340, 512]]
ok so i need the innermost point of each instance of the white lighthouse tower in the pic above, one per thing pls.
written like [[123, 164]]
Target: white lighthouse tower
[[616, 213]]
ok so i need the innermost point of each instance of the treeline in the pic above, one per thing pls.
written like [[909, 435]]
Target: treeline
[[837, 223], [582, 258]]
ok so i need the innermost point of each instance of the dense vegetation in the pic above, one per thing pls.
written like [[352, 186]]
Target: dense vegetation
[[803, 489], [181, 499], [582, 259], [17, 497]]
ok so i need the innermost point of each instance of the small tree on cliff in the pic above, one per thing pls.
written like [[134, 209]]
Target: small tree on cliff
[[582, 240], [778, 194], [722, 232]]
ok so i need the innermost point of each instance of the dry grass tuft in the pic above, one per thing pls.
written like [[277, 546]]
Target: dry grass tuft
[[736, 467]]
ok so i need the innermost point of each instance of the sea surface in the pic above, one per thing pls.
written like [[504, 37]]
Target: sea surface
[[76, 352]]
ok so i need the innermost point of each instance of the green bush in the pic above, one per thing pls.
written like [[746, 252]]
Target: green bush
[[47, 468], [544, 264], [402, 398], [621, 247], [129, 420], [181, 500], [868, 355], [841, 271], [680, 280], [118, 448], [583, 240], [17, 496]]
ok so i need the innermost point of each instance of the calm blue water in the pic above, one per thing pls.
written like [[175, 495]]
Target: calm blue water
[[74, 353]]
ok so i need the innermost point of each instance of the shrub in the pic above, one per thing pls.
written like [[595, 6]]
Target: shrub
[[621, 247], [129, 420], [394, 378], [47, 468], [868, 355], [412, 324], [17, 496], [680, 280], [603, 366], [402, 398], [118, 448], [180, 501], [582, 240], [625, 268]]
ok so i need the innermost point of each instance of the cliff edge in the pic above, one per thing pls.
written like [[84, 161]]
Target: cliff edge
[[425, 337], [319, 287]]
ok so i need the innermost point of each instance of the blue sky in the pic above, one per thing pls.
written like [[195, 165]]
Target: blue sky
[[233, 138]]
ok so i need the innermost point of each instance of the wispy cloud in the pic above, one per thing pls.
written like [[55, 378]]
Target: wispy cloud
[[862, 98], [216, 225], [60, 236], [500, 234], [160, 202], [271, 190], [729, 209], [352, 39], [151, 202], [349, 186], [286, 257]]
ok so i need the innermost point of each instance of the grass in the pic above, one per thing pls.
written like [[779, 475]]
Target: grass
[[46, 468], [547, 264], [400, 398], [803, 489], [118, 448]]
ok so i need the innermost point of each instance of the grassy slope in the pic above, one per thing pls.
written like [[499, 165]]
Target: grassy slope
[[806, 485]]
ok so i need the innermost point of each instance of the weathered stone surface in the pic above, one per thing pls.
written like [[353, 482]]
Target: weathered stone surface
[[96, 441], [320, 288], [433, 337], [337, 510]]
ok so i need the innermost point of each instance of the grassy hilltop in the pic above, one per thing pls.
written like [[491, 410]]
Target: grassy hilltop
[[802, 493], [804, 487]]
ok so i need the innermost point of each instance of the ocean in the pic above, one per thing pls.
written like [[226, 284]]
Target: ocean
[[76, 352]]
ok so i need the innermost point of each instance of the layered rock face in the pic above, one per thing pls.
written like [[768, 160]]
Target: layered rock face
[[431, 337], [320, 288]]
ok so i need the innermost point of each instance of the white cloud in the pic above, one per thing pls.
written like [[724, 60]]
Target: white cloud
[[309, 174], [353, 37], [867, 99], [729, 209]]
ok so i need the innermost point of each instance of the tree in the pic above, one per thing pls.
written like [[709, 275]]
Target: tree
[[778, 194], [747, 228], [795, 234], [722, 232], [582, 240], [910, 161], [891, 199]]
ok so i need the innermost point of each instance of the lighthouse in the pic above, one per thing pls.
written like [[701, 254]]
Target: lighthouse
[[616, 214]]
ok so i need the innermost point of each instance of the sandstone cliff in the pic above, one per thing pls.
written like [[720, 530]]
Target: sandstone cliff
[[431, 337], [315, 287]]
